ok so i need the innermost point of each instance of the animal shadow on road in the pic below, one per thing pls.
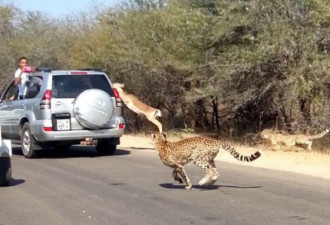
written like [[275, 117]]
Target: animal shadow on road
[[205, 188]]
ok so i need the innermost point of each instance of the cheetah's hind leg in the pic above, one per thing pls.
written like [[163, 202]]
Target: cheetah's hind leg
[[210, 178], [214, 175], [211, 175]]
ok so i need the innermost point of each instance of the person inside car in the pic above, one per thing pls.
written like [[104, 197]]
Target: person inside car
[[21, 76]]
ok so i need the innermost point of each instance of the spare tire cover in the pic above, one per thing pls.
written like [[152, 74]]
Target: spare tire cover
[[93, 108]]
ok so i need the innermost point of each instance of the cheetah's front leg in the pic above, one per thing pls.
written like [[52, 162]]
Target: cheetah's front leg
[[184, 176], [175, 175]]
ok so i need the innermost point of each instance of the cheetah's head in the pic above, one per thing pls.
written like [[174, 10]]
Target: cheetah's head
[[265, 133], [158, 137]]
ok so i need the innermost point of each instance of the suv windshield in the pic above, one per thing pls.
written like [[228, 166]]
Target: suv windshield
[[70, 86]]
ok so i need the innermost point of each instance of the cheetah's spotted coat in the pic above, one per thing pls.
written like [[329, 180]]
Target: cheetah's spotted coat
[[200, 150]]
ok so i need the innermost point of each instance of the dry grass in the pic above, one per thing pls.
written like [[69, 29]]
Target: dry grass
[[253, 140]]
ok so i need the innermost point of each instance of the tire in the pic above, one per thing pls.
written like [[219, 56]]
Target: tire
[[28, 142], [5, 171], [105, 147], [93, 108]]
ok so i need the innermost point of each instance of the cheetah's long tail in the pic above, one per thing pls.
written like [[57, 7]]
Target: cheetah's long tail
[[239, 156], [320, 135]]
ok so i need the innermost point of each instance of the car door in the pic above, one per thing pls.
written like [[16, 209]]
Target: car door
[[18, 111], [21, 108], [6, 109]]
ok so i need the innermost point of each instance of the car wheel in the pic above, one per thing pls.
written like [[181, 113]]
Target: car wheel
[[27, 142], [5, 171], [105, 147]]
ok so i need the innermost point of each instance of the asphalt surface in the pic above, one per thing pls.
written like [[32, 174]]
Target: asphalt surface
[[134, 187]]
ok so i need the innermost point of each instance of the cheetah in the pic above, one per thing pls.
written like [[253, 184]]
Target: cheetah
[[301, 140], [200, 150]]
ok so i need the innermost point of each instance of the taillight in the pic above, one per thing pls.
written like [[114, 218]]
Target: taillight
[[121, 126], [45, 101], [47, 129], [118, 99]]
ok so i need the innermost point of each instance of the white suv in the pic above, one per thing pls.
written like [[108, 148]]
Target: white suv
[[62, 108]]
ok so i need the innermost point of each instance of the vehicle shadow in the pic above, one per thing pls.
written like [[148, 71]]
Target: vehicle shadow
[[212, 187], [76, 151], [14, 182], [16, 150], [136, 148]]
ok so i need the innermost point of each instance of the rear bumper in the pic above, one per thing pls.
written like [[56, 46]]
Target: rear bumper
[[75, 135], [78, 135]]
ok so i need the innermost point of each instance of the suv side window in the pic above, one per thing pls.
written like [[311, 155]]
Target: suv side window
[[11, 93], [33, 86]]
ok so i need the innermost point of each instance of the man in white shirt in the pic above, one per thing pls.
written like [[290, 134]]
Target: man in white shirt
[[21, 76]]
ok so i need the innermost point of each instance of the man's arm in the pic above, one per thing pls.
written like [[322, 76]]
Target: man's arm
[[18, 75]]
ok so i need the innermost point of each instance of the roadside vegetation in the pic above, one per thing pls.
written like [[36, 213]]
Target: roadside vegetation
[[231, 67]]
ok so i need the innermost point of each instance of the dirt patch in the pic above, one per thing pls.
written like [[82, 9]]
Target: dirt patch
[[308, 163]]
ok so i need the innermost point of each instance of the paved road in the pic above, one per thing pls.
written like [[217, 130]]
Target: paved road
[[133, 187]]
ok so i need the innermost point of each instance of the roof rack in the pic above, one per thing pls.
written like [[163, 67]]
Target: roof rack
[[43, 69], [92, 69]]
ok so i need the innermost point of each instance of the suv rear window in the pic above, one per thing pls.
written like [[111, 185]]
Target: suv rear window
[[70, 86]]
